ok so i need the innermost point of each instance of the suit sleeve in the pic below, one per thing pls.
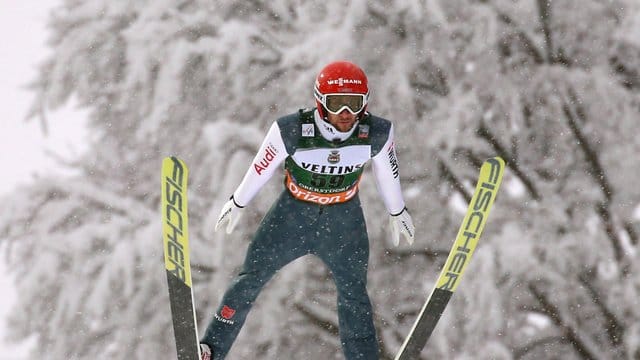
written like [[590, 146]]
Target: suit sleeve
[[387, 174], [266, 162]]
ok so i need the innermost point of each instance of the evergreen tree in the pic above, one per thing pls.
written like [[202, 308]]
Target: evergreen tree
[[552, 87]]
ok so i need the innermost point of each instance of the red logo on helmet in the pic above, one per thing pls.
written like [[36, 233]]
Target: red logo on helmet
[[342, 81], [227, 312]]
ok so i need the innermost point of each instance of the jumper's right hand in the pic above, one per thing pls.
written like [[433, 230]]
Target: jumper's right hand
[[231, 213]]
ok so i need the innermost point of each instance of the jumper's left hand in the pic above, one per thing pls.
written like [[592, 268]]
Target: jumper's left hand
[[402, 224]]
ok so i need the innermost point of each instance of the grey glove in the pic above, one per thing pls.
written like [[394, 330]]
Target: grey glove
[[402, 224], [231, 213]]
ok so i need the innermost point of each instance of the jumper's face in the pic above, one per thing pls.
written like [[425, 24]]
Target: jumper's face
[[343, 121]]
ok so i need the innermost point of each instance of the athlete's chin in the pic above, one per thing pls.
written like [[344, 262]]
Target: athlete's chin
[[344, 127]]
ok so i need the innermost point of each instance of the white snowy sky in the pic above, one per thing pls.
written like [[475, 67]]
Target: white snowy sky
[[23, 146]]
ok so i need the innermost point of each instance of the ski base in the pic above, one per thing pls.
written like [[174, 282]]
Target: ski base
[[184, 326]]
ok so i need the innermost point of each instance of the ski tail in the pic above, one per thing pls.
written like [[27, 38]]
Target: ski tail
[[175, 236], [468, 235]]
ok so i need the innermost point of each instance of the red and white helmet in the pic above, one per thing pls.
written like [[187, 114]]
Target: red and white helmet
[[340, 86]]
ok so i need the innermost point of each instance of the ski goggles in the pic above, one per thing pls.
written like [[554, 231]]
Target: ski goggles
[[336, 103]]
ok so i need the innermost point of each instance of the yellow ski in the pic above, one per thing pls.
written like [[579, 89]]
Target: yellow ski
[[175, 236], [468, 235]]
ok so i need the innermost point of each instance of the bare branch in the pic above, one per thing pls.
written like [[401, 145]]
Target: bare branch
[[523, 36], [573, 114], [615, 329], [324, 324], [569, 331], [523, 351], [450, 177], [633, 235], [602, 208], [544, 14], [486, 134]]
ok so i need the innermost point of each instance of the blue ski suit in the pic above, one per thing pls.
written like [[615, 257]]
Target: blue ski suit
[[318, 213]]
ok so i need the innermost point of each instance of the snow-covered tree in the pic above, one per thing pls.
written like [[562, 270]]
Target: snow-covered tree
[[552, 87]]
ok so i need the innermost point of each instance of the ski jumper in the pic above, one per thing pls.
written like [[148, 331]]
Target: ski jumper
[[318, 213]]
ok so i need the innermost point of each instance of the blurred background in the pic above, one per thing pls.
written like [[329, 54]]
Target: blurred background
[[551, 86], [27, 152]]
